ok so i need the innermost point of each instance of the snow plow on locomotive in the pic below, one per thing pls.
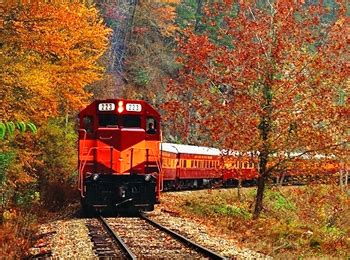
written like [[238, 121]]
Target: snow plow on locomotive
[[119, 155]]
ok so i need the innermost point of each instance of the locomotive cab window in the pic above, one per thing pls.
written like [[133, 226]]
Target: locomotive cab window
[[132, 121], [88, 124], [108, 120], [151, 126]]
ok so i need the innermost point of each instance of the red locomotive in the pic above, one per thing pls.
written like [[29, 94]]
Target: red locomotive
[[119, 155]]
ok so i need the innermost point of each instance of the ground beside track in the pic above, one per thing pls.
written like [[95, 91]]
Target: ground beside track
[[68, 236], [296, 222]]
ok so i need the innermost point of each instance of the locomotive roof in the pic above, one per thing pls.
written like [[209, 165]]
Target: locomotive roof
[[147, 109], [189, 149]]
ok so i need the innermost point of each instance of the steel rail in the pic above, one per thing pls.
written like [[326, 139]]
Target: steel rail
[[207, 252], [120, 242]]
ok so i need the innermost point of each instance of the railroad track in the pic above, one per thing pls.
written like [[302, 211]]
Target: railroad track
[[141, 237], [106, 244]]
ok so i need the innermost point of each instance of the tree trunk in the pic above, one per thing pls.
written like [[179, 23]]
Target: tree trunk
[[198, 15], [281, 179], [259, 197], [66, 123], [239, 190], [265, 127], [341, 179]]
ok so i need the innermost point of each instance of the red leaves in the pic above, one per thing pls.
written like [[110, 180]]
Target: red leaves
[[282, 47]]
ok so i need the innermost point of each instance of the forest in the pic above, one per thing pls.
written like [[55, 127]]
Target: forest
[[266, 75]]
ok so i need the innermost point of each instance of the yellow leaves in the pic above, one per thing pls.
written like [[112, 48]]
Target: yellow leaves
[[23, 179], [166, 19], [50, 54], [9, 215], [340, 21]]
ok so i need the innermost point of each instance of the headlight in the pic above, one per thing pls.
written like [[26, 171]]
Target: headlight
[[148, 177], [95, 176]]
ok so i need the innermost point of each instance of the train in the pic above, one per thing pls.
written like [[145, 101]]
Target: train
[[119, 155], [191, 167], [124, 164]]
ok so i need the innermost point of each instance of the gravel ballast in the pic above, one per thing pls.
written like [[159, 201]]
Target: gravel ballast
[[200, 234], [70, 239], [63, 239]]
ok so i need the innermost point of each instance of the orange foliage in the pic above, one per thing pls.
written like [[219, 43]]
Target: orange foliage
[[50, 54], [166, 15], [15, 234]]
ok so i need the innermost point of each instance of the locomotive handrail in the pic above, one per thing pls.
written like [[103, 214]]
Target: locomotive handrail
[[83, 166], [85, 133], [157, 163], [160, 170]]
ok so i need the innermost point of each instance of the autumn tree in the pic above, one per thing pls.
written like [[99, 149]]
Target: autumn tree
[[141, 57], [49, 54], [272, 79], [151, 61]]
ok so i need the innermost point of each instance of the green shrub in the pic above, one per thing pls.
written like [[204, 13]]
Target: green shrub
[[27, 197], [141, 77], [59, 151], [278, 201], [333, 232], [6, 158], [232, 211]]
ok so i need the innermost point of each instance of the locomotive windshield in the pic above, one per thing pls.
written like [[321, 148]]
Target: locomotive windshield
[[108, 120], [131, 121], [112, 120]]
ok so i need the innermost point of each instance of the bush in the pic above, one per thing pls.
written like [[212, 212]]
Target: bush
[[232, 211], [278, 201], [59, 152], [306, 221], [16, 233], [6, 158], [57, 195]]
